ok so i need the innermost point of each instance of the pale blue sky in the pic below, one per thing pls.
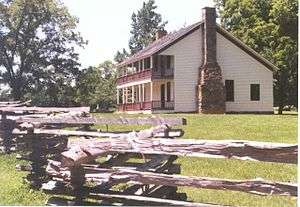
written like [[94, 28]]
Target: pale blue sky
[[106, 23]]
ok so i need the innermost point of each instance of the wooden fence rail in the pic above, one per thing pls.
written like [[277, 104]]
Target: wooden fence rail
[[124, 175], [35, 109], [105, 121], [142, 142], [136, 143], [168, 133], [64, 166]]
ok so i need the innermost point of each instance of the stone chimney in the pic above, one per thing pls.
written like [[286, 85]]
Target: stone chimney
[[160, 33], [211, 92]]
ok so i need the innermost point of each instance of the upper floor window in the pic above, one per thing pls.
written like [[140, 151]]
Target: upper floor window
[[155, 62], [136, 66], [162, 62], [147, 63], [255, 92], [170, 61], [229, 88], [141, 65]]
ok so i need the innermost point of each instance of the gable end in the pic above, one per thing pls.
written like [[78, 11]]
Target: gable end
[[246, 49]]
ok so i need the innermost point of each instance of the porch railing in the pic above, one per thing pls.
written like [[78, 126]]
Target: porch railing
[[135, 76], [147, 105], [161, 105]]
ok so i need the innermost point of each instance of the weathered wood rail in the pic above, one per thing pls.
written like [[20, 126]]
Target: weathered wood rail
[[71, 167], [105, 120], [123, 174], [142, 142], [244, 150]]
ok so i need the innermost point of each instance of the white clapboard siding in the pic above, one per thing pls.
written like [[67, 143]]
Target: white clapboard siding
[[237, 65], [187, 60]]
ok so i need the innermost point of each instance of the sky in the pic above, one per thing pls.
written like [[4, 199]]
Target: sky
[[106, 23]]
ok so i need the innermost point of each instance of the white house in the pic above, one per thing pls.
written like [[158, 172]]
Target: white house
[[200, 68]]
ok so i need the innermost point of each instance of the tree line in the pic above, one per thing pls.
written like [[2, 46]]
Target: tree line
[[38, 41]]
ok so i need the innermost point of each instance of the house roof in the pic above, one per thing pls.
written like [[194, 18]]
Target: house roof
[[171, 38], [161, 44]]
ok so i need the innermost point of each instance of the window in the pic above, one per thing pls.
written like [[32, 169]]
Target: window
[[229, 87], [162, 61], [255, 92], [155, 63], [141, 65], [136, 66], [147, 63], [170, 61], [168, 91]]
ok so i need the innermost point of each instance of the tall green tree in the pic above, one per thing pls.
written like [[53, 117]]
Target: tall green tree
[[96, 86], [271, 28], [121, 56], [37, 47], [145, 24]]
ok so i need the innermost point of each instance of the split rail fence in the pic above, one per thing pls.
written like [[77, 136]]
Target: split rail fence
[[129, 168]]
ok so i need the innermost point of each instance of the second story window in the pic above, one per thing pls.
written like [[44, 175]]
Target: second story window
[[147, 63], [136, 66], [170, 61], [141, 65], [162, 62], [155, 63]]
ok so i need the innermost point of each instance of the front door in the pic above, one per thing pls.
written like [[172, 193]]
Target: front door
[[162, 95]]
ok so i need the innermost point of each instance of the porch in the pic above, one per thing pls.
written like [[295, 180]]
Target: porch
[[148, 96], [155, 67]]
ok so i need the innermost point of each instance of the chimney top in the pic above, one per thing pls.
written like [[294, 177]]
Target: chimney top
[[208, 11], [209, 19], [160, 33]]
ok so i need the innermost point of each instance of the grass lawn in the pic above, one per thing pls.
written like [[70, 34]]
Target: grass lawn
[[270, 128]]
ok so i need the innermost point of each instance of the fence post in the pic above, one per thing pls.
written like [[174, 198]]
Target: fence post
[[77, 182], [37, 159], [6, 128]]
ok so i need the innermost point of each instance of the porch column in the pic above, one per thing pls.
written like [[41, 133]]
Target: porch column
[[132, 94], [143, 92], [151, 91], [118, 97], [140, 93], [123, 96], [126, 94]]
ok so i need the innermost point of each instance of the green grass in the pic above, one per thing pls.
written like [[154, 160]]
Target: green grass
[[13, 190], [270, 128]]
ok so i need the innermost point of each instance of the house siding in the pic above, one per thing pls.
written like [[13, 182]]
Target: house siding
[[237, 65], [187, 58]]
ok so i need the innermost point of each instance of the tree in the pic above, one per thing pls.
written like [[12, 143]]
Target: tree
[[271, 28], [37, 47], [96, 86], [145, 23], [121, 56]]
